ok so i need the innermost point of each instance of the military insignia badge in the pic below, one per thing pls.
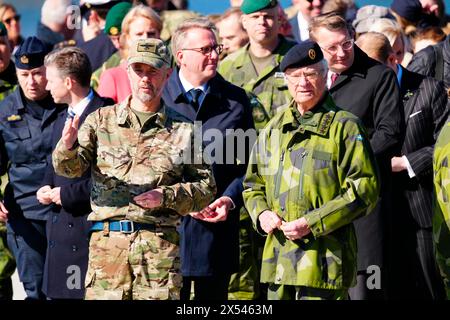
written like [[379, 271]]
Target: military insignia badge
[[114, 31], [14, 117], [24, 59], [312, 54]]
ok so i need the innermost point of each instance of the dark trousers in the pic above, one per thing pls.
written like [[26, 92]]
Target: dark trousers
[[430, 284], [210, 288], [28, 243], [363, 290]]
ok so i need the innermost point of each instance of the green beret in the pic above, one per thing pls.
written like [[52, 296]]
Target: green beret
[[3, 31], [250, 6], [114, 18]]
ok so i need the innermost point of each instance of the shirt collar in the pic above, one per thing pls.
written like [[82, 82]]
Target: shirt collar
[[187, 86], [303, 26], [81, 106]]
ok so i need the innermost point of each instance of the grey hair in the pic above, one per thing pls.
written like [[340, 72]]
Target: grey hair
[[55, 11], [179, 35]]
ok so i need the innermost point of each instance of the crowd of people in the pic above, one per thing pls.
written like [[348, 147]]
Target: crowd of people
[[151, 153]]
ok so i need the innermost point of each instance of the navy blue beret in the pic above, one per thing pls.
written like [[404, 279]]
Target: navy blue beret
[[31, 53], [411, 10], [301, 55]]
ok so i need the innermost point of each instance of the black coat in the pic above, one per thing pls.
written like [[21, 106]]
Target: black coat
[[370, 90], [67, 227], [98, 49], [213, 248], [424, 61]]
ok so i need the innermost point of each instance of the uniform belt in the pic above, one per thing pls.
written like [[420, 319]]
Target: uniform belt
[[124, 226]]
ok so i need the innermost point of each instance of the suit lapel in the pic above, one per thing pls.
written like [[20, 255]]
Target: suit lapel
[[410, 91]]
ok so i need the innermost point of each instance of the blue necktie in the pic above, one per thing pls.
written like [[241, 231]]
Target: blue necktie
[[195, 94], [70, 113]]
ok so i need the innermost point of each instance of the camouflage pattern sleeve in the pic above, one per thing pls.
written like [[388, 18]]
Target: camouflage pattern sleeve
[[441, 217], [73, 163], [359, 180], [198, 187]]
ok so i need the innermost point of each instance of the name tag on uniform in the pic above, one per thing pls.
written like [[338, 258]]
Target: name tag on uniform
[[279, 75]]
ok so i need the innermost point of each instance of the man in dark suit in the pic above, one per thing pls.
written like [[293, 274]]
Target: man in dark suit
[[68, 73], [307, 9], [425, 112], [209, 244], [369, 90]]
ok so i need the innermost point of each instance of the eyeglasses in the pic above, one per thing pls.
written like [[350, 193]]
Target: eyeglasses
[[9, 20], [346, 45], [308, 76], [218, 48]]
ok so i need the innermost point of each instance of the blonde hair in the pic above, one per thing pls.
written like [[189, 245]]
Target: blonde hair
[[376, 45]]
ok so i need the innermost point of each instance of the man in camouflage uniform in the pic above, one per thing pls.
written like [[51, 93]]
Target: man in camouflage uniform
[[255, 68], [8, 81], [143, 180], [311, 173], [441, 218]]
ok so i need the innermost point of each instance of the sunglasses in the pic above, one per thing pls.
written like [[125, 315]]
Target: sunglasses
[[9, 20]]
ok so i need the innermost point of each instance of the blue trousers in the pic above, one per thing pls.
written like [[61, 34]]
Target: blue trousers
[[28, 243]]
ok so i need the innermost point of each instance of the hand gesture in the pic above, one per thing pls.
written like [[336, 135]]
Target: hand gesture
[[3, 212], [70, 132], [150, 199], [296, 229], [218, 210], [43, 195], [55, 195], [269, 221]]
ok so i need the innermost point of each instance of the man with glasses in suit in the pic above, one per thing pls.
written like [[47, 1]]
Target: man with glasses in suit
[[196, 92]]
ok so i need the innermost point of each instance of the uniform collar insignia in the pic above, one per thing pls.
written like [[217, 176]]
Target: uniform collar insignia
[[14, 117]]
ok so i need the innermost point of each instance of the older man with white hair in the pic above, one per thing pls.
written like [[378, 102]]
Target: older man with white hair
[[53, 27]]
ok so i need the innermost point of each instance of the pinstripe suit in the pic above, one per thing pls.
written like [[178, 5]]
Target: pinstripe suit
[[426, 110]]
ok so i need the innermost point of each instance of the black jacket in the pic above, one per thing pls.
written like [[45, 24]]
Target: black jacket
[[25, 145], [425, 61], [211, 248], [67, 227], [426, 111], [370, 90]]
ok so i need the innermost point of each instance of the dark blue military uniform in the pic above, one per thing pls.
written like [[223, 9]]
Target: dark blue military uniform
[[25, 145]]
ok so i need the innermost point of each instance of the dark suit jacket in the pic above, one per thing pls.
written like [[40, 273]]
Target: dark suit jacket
[[295, 30], [369, 90], [212, 248], [67, 227], [426, 111], [99, 49]]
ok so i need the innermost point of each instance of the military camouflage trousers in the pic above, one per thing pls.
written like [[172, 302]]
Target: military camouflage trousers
[[142, 265], [283, 292]]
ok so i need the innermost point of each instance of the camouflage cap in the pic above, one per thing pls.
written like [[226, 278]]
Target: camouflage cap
[[114, 18], [3, 31], [149, 51], [251, 6]]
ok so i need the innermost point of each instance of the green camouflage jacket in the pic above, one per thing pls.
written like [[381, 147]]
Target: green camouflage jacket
[[319, 166], [441, 217], [128, 159], [268, 91]]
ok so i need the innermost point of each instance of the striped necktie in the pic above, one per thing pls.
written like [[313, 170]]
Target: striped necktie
[[70, 113]]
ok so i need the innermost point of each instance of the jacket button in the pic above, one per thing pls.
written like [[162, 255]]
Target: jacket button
[[282, 208], [70, 225], [51, 243], [74, 248], [54, 219]]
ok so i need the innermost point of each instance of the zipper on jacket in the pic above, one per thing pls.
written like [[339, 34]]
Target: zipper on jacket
[[279, 175], [302, 174]]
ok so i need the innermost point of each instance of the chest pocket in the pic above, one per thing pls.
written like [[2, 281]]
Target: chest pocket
[[18, 144], [323, 172]]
